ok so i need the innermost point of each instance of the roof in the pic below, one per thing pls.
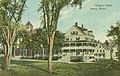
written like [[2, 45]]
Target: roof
[[104, 46], [29, 24], [33, 31], [82, 29]]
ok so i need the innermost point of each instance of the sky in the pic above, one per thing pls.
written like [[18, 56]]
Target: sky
[[95, 15]]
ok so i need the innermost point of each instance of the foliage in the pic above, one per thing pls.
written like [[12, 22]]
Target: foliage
[[33, 41], [109, 64], [114, 32], [59, 37], [106, 42], [39, 40]]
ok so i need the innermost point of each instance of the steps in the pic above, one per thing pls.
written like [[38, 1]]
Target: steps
[[64, 59]]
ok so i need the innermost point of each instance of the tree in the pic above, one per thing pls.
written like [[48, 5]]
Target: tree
[[39, 39], [11, 12], [106, 42], [59, 38], [33, 41], [114, 32], [50, 10]]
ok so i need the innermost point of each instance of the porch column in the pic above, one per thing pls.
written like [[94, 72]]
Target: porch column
[[23, 52], [26, 52], [31, 53], [14, 52], [76, 52]]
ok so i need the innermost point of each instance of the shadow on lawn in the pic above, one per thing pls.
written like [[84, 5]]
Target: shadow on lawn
[[29, 64]]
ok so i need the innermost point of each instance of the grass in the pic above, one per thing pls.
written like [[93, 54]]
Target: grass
[[39, 68]]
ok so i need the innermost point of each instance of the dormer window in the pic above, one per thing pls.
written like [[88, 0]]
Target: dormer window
[[77, 38], [67, 39], [76, 32]]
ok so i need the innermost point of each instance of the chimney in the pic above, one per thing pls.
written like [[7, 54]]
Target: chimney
[[76, 23], [82, 25]]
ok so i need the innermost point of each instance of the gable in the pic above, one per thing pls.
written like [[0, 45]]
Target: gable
[[103, 46], [73, 30]]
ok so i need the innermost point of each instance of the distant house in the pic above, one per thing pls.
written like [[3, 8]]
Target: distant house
[[113, 49], [81, 42], [23, 52]]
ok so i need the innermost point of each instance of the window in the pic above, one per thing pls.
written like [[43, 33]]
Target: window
[[100, 50], [74, 33], [95, 54], [77, 38], [78, 44], [117, 54], [103, 50], [92, 39], [86, 38], [91, 50], [86, 52], [91, 57], [93, 45], [66, 50], [72, 50], [66, 45], [78, 52], [87, 44], [72, 44], [67, 39], [84, 44], [103, 55], [99, 55]]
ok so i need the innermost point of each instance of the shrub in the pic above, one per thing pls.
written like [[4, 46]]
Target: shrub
[[76, 59], [109, 64]]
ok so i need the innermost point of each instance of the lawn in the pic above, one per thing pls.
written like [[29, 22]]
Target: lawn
[[39, 68]]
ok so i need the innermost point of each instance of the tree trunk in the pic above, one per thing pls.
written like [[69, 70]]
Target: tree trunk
[[50, 55], [8, 58], [50, 47], [7, 63]]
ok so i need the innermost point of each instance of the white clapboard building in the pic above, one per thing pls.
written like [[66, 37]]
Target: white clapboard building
[[80, 41]]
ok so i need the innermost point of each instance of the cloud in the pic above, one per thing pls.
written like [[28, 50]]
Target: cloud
[[87, 4], [65, 13], [68, 11]]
